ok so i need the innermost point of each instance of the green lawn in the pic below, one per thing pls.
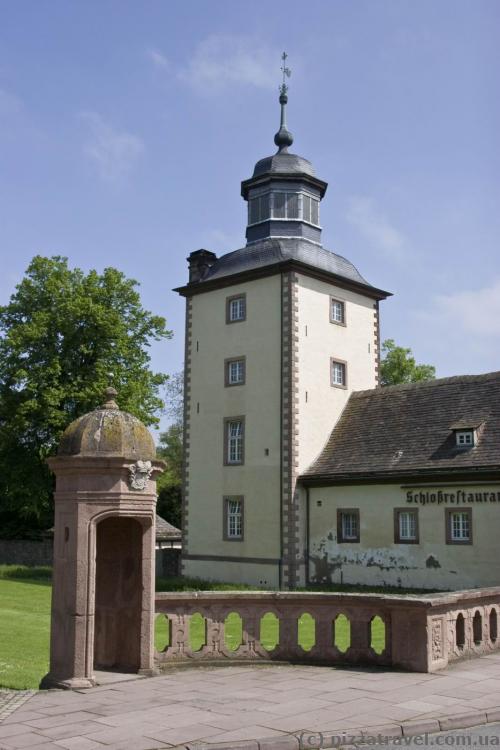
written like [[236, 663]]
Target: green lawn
[[25, 622], [24, 632]]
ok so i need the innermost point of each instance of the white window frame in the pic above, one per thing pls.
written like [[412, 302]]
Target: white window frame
[[348, 525], [334, 302], [234, 445], [336, 366], [408, 518], [236, 371], [236, 308], [464, 438], [233, 512], [350, 530], [460, 532]]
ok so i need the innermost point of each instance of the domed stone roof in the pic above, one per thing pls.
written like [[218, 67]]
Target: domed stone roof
[[283, 163], [107, 431]]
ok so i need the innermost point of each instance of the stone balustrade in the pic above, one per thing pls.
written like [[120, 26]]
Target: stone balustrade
[[417, 633]]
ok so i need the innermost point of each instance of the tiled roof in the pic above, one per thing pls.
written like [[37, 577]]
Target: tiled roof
[[407, 429], [165, 530], [270, 251]]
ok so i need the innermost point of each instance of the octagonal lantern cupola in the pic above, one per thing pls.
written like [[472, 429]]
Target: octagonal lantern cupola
[[283, 193]]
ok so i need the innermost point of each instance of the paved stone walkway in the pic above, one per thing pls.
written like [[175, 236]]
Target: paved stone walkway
[[12, 699], [255, 708]]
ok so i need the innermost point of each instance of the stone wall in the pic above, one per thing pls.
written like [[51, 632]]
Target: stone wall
[[168, 563], [25, 552]]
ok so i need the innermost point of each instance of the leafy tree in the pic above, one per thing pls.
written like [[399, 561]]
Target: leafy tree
[[174, 392], [399, 366], [64, 337], [170, 482], [170, 449]]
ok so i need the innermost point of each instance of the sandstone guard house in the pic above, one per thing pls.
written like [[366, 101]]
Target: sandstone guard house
[[298, 467]]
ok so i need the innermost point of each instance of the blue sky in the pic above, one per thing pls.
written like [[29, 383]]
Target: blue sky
[[126, 128]]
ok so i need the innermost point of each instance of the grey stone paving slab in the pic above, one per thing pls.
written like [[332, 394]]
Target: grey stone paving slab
[[240, 707], [10, 700], [63, 731], [246, 733], [78, 743], [26, 739], [187, 733]]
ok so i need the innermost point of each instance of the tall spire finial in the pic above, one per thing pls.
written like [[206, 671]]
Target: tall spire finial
[[283, 137]]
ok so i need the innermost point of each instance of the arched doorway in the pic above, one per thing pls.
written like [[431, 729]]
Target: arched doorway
[[118, 594]]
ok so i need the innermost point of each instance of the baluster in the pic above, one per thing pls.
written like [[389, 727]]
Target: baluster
[[215, 634], [288, 645], [180, 635], [324, 633], [360, 636], [251, 647]]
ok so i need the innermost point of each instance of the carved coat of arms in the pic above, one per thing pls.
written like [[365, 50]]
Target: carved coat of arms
[[139, 473]]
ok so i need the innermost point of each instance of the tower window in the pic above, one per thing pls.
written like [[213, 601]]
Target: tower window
[[338, 373], [234, 431], [310, 209], [279, 207], [348, 525], [458, 526], [236, 308], [233, 518], [259, 209], [235, 371], [286, 205], [337, 311]]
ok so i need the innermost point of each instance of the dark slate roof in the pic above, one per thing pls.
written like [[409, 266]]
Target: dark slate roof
[[165, 530], [270, 251], [283, 163], [407, 430]]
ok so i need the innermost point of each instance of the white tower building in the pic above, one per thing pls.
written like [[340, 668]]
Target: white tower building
[[278, 334]]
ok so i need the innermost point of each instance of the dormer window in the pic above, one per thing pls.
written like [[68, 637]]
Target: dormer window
[[467, 431], [464, 438]]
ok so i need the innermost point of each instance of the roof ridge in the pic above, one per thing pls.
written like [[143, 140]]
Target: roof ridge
[[435, 382]]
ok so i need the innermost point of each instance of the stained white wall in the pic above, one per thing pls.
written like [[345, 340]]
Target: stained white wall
[[378, 560]]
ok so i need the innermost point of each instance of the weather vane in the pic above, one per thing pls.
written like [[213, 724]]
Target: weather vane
[[286, 74]]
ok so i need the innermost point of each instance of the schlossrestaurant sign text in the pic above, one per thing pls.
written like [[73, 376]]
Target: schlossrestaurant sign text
[[438, 497]]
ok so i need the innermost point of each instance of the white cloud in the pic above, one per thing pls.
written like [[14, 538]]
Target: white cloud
[[158, 59], [376, 228], [475, 311], [222, 60], [113, 152]]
